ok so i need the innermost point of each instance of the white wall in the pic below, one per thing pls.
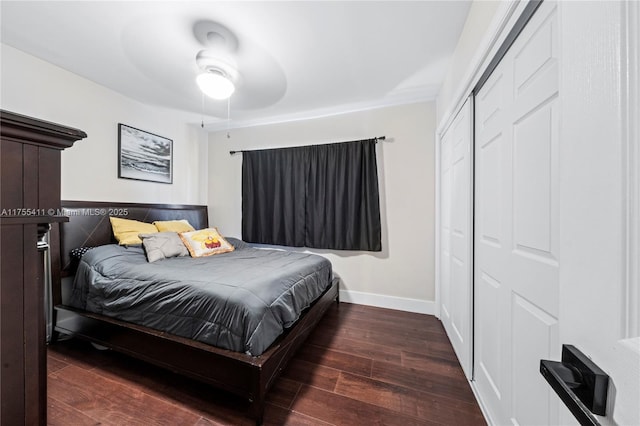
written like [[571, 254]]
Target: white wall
[[36, 88], [479, 19], [402, 275]]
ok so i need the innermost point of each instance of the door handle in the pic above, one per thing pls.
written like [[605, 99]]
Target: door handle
[[579, 382]]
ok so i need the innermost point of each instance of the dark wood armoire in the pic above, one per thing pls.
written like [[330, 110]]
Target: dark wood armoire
[[29, 206]]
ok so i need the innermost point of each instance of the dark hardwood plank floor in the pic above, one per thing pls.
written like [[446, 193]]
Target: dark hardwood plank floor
[[361, 366]]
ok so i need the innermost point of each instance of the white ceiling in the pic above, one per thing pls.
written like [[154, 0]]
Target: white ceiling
[[295, 59]]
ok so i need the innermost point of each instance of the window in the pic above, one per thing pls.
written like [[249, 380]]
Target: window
[[320, 196]]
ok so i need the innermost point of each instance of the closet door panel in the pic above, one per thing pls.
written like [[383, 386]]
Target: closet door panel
[[489, 146], [489, 373], [456, 238], [461, 290], [534, 254], [532, 184], [490, 192], [533, 259], [516, 259], [535, 165], [492, 235], [445, 229], [541, 332]]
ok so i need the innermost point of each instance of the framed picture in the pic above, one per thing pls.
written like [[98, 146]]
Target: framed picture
[[144, 156]]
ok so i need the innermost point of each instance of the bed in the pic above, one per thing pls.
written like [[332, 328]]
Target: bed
[[245, 366]]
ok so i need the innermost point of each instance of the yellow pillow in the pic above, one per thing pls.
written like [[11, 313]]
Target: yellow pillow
[[205, 242], [173, 225], [126, 230]]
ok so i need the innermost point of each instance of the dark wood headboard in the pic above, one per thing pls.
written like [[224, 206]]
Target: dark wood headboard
[[89, 223]]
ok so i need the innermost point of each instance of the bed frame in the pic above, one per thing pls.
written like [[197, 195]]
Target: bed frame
[[241, 374]]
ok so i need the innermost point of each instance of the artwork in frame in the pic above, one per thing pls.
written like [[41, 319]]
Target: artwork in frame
[[144, 156]]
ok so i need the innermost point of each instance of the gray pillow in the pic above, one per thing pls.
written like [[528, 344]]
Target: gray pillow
[[161, 245]]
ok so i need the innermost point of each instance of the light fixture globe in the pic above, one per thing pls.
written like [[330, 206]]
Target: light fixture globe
[[215, 84]]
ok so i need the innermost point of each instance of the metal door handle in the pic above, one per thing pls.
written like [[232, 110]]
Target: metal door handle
[[579, 383]]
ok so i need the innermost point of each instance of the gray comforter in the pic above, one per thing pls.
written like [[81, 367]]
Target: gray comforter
[[242, 300]]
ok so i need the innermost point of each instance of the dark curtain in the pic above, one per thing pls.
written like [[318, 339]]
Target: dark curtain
[[320, 196], [273, 191]]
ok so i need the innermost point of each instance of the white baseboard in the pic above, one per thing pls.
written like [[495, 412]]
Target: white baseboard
[[390, 302]]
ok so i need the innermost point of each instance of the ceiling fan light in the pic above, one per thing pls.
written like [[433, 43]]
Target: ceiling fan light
[[215, 85]]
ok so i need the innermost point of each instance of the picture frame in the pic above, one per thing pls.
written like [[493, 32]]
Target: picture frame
[[144, 156]]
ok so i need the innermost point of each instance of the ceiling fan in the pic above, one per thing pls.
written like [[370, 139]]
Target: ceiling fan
[[219, 75], [233, 71]]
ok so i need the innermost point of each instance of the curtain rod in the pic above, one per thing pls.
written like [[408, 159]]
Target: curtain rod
[[377, 138]]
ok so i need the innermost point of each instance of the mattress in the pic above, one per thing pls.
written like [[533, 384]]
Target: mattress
[[241, 300]]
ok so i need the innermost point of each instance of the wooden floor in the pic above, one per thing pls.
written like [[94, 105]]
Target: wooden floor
[[361, 366]]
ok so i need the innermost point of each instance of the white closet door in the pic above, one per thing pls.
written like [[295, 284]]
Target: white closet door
[[516, 227], [456, 233]]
